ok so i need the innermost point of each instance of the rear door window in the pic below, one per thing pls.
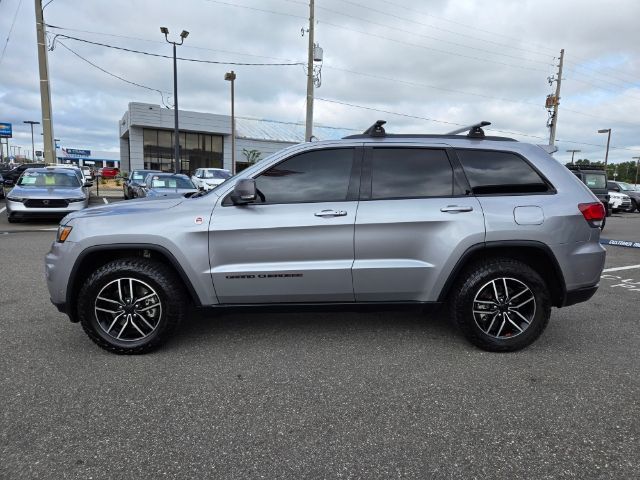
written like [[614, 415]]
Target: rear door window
[[492, 172], [410, 173]]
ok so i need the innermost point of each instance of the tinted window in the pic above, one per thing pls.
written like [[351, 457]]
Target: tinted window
[[410, 173], [499, 172], [320, 176]]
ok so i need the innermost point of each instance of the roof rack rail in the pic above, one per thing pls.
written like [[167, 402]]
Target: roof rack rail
[[376, 130], [475, 131], [585, 167]]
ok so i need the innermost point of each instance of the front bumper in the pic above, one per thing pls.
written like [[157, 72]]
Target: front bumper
[[20, 210]]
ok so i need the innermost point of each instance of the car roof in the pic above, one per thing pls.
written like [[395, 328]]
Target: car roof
[[49, 169]]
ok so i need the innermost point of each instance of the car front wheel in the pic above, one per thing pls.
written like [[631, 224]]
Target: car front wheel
[[131, 306], [501, 305]]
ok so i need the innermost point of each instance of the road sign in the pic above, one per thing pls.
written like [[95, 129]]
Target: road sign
[[5, 130], [38, 153]]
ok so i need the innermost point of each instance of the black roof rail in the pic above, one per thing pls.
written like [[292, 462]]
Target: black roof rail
[[475, 130], [376, 130], [585, 167]]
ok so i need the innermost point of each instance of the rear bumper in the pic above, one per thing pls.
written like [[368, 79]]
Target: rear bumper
[[579, 295]]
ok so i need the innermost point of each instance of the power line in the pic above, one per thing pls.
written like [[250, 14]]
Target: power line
[[189, 46], [13, 22], [465, 25], [461, 125], [195, 60], [161, 92], [367, 8], [342, 27]]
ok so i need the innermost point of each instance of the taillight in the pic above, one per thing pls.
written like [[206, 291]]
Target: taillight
[[593, 213]]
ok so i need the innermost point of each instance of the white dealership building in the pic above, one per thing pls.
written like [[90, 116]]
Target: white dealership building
[[146, 138]]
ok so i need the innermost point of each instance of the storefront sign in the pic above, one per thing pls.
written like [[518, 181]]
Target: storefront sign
[[5, 130], [74, 152]]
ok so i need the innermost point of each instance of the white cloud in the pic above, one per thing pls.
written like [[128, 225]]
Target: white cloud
[[500, 53]]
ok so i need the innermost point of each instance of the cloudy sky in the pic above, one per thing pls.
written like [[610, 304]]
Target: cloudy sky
[[416, 63]]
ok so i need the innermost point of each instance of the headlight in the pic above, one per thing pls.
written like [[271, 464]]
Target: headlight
[[70, 200], [63, 233], [16, 199]]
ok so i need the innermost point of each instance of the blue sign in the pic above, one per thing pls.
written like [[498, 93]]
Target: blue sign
[[5, 130], [74, 152]]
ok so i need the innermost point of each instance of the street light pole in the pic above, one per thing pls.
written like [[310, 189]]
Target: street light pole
[[572, 153], [231, 77], [33, 148], [606, 155], [637, 168], [176, 132]]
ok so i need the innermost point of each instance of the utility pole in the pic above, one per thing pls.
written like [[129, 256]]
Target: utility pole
[[554, 117], [573, 152], [606, 155], [45, 91], [33, 147], [231, 77], [309, 122], [637, 168]]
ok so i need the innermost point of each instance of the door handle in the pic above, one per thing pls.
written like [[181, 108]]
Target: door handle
[[456, 208], [331, 213]]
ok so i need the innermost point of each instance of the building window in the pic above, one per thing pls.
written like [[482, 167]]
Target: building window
[[197, 150]]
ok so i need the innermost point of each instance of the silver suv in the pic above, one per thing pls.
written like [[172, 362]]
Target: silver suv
[[496, 229]]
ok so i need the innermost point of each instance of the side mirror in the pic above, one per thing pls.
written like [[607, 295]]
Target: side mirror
[[244, 192], [88, 184]]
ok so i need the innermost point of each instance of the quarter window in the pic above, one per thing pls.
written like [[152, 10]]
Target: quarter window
[[410, 173], [492, 172], [319, 176]]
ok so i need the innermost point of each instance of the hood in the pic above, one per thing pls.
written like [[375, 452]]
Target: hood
[[214, 181], [43, 192], [129, 207], [614, 194]]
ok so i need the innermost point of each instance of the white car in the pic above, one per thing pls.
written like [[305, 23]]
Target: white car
[[619, 201], [208, 178]]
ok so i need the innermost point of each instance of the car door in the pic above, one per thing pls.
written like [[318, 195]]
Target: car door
[[415, 220], [295, 244]]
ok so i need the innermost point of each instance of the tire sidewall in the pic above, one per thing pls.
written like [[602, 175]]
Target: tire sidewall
[[95, 284], [475, 281]]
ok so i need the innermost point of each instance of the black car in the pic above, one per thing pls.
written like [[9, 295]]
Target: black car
[[133, 181], [627, 189], [14, 175], [1, 186], [596, 179]]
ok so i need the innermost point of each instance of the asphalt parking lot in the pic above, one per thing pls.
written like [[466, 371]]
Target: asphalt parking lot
[[325, 395]]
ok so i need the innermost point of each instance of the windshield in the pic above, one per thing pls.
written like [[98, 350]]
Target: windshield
[[171, 182], [139, 175], [625, 186], [595, 180], [49, 179], [217, 174]]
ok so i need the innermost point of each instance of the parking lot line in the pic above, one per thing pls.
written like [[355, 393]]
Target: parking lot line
[[104, 199], [3, 209], [615, 269]]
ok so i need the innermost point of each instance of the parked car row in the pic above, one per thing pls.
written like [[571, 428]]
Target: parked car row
[[154, 183]]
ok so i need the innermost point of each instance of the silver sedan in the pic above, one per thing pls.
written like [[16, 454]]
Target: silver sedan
[[46, 193]]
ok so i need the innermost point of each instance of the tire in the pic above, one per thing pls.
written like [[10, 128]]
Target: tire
[[634, 206], [11, 219], [474, 292], [164, 307], [615, 210]]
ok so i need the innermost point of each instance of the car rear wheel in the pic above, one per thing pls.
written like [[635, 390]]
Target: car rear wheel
[[501, 305], [131, 306]]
